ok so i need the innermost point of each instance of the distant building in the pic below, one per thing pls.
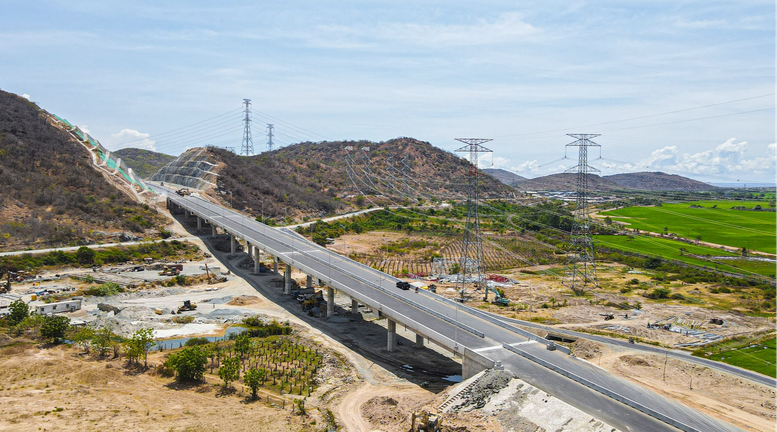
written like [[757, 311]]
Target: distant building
[[58, 307]]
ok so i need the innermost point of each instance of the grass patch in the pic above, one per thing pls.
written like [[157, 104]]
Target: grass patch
[[670, 249], [758, 356], [722, 225]]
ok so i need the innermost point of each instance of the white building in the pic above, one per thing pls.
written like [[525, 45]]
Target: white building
[[58, 307]]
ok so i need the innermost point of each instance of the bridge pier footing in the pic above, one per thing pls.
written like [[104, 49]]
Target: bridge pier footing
[[392, 335], [286, 280], [330, 301]]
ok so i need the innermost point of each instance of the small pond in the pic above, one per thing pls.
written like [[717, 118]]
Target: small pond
[[178, 343]]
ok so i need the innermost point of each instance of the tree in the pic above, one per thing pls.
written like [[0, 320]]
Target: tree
[[229, 370], [139, 344], [83, 337], [54, 327], [242, 344], [253, 379], [85, 255], [188, 364], [18, 311], [103, 340]]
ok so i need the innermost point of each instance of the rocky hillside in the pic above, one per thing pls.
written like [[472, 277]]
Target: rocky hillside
[[51, 194], [144, 162], [311, 179], [565, 182], [658, 181], [504, 176]]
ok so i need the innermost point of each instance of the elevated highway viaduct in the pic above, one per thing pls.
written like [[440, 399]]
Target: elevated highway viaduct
[[480, 339]]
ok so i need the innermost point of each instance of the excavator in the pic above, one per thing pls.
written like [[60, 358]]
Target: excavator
[[426, 421], [498, 299]]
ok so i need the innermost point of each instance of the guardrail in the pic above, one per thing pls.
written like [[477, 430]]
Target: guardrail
[[493, 320], [603, 390], [353, 276]]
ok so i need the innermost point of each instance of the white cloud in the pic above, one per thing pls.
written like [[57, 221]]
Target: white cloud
[[727, 160], [84, 128], [26, 96], [127, 138]]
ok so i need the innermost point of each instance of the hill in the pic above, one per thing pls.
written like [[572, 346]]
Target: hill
[[310, 179], [565, 182], [504, 176], [655, 181], [144, 162], [51, 193]]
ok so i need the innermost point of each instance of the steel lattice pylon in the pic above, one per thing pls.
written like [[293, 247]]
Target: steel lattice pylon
[[580, 270], [248, 142], [473, 243]]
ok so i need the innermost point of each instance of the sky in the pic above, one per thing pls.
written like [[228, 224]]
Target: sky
[[684, 87]]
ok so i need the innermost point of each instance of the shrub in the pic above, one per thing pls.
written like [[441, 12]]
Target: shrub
[[104, 290], [54, 327], [659, 293], [197, 341], [188, 364]]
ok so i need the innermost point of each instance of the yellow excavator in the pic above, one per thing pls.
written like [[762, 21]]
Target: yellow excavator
[[426, 421]]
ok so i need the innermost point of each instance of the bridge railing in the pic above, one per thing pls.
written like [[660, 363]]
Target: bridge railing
[[343, 287]]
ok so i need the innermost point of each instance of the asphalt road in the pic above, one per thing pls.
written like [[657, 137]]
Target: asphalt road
[[457, 328]]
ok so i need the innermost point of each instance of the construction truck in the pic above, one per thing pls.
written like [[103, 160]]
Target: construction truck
[[607, 316], [426, 421], [183, 192], [187, 306]]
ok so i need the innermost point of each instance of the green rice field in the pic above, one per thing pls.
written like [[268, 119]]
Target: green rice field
[[721, 225], [670, 249], [759, 357]]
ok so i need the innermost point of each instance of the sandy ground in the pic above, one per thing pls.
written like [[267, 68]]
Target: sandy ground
[[52, 389], [743, 403]]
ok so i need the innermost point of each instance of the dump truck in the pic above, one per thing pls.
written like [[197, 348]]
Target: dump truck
[[183, 192], [187, 306]]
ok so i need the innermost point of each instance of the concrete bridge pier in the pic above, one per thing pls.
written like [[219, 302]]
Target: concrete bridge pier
[[275, 265], [287, 280], [330, 301], [256, 260], [309, 282], [392, 335], [354, 306], [213, 231], [232, 244], [419, 341], [199, 224]]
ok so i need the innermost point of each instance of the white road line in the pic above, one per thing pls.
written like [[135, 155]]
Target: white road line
[[495, 347]]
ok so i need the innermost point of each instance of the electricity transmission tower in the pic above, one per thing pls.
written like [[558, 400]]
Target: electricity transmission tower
[[247, 148], [580, 269], [473, 244], [269, 137]]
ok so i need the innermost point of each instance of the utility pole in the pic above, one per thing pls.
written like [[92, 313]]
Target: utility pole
[[580, 271], [269, 137], [473, 244], [248, 142]]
